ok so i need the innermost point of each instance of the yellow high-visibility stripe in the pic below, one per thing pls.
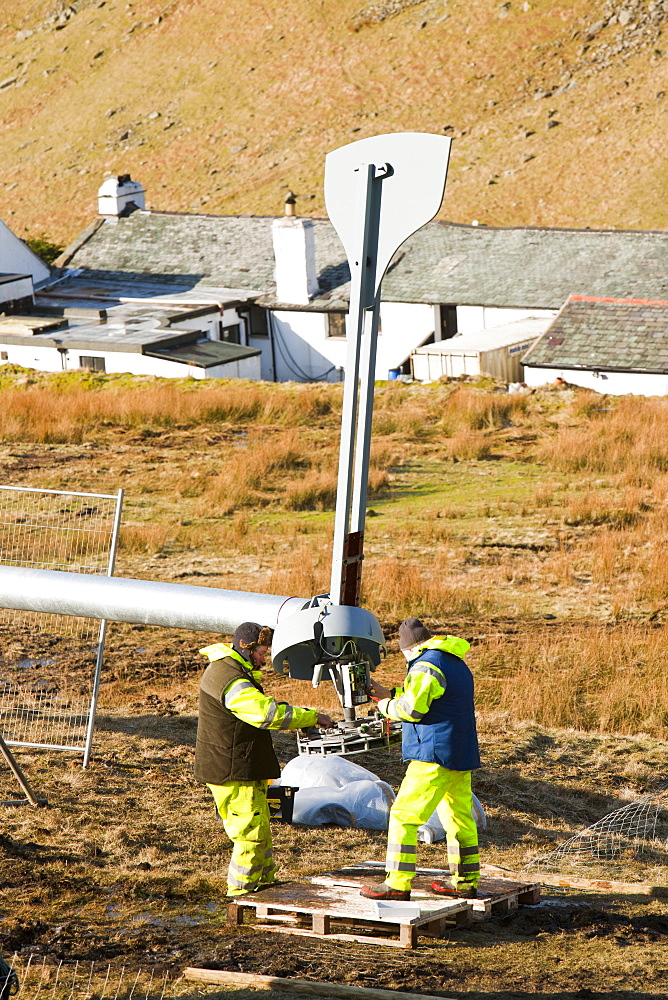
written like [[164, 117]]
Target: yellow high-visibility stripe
[[399, 866], [250, 705], [424, 683]]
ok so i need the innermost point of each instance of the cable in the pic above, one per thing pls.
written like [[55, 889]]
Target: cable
[[294, 367], [290, 363]]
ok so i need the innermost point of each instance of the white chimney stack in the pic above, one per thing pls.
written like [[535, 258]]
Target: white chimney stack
[[117, 194], [294, 252]]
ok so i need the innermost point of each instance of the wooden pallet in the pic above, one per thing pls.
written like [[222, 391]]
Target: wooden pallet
[[319, 910], [496, 895]]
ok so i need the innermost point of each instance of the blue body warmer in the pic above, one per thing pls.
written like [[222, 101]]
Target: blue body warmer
[[447, 733]]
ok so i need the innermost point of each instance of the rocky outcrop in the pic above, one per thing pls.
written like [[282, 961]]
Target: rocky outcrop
[[376, 13], [618, 32], [641, 27]]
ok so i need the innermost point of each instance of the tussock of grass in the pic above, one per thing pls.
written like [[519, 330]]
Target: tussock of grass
[[413, 412], [628, 439], [143, 538], [398, 589], [316, 491], [482, 411], [74, 412], [467, 444], [590, 508], [304, 569], [598, 678]]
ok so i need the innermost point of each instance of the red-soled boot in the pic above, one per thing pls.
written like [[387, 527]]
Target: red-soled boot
[[383, 891], [463, 890]]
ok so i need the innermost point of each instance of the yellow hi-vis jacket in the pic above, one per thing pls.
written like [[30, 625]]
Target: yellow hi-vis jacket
[[252, 706], [424, 682]]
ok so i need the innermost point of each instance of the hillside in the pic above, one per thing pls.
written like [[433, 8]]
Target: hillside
[[558, 109]]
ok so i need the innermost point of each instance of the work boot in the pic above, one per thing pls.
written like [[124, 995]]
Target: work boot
[[465, 890], [384, 891]]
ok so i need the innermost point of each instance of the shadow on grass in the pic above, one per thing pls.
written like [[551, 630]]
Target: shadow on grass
[[180, 730], [548, 801]]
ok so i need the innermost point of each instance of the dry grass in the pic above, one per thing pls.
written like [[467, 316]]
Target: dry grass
[[303, 570], [316, 491], [397, 588], [75, 409], [630, 439], [145, 538], [468, 445], [610, 679], [445, 411], [482, 410], [224, 480]]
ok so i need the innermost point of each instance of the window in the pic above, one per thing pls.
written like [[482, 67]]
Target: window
[[92, 364], [336, 324], [231, 334], [258, 322], [448, 322]]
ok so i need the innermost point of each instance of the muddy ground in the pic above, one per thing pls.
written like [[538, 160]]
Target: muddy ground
[[125, 867], [529, 529]]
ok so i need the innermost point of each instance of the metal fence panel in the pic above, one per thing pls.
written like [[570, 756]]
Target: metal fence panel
[[50, 664]]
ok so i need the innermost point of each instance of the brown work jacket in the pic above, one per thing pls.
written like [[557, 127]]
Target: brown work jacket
[[228, 749]]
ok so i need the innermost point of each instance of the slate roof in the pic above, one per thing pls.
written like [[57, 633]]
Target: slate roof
[[443, 262], [527, 268], [200, 251], [605, 334]]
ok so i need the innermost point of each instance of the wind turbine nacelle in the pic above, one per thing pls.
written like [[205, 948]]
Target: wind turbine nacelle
[[324, 633]]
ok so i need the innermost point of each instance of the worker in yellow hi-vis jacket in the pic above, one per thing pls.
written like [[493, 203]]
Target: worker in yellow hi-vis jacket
[[439, 739], [234, 755]]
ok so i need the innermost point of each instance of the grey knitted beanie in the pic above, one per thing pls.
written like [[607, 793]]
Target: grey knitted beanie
[[411, 632]]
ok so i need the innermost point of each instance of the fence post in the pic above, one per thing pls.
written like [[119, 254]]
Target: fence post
[[103, 633]]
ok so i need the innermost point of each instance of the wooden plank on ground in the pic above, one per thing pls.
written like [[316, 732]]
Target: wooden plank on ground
[[367, 939], [251, 980], [575, 882]]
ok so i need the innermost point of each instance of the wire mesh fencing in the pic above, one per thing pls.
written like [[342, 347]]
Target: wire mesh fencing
[[38, 978], [50, 664], [627, 833]]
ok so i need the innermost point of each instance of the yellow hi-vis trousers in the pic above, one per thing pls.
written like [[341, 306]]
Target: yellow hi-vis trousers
[[427, 787], [242, 806]]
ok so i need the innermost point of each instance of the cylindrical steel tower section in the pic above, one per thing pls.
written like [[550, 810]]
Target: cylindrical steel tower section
[[139, 602]]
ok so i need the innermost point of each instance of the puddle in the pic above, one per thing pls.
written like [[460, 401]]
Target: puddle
[[178, 919], [163, 920], [556, 903], [27, 663]]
